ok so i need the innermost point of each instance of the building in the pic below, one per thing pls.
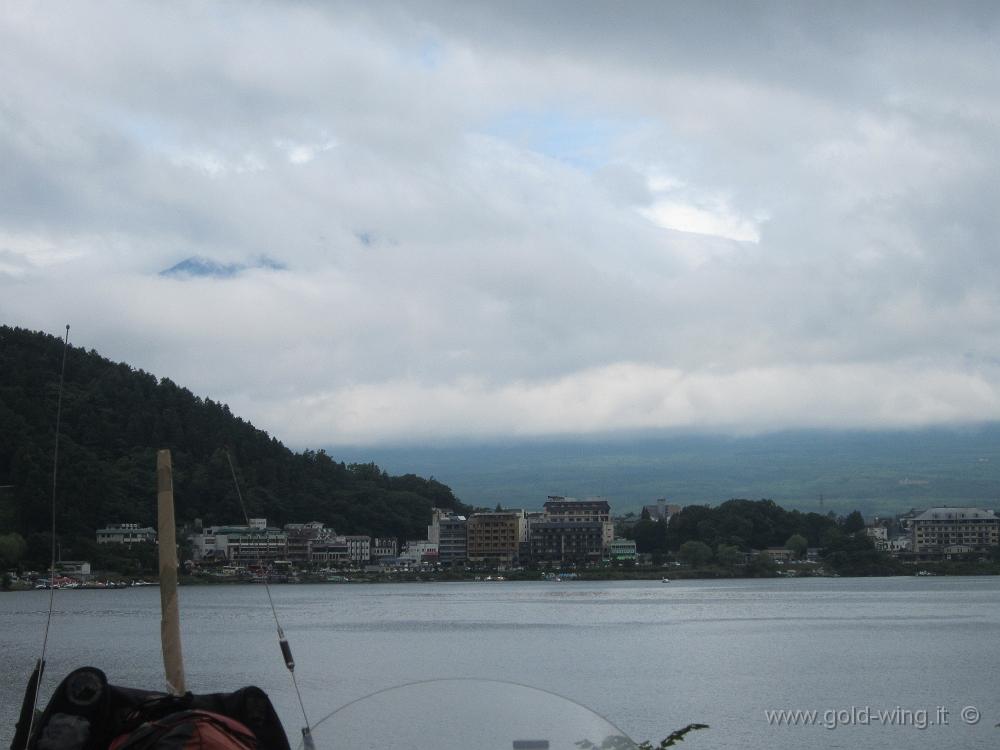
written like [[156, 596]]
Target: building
[[359, 548], [330, 551], [938, 532], [419, 551], [779, 554], [592, 510], [246, 545], [879, 536], [899, 545], [126, 533], [78, 568], [567, 542], [496, 538], [531, 518], [905, 520], [448, 532], [570, 531], [338, 550], [622, 550], [383, 548], [301, 537]]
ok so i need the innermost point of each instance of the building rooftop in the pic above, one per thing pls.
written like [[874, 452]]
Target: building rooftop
[[251, 530], [570, 502], [946, 513]]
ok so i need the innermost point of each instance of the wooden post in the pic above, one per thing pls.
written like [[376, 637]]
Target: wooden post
[[170, 624]]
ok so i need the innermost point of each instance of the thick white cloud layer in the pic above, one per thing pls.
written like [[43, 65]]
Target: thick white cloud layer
[[448, 219]]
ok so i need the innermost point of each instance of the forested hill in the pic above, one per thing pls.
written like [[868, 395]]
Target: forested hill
[[114, 418]]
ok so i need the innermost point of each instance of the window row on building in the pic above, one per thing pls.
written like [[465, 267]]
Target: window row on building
[[126, 533], [297, 543]]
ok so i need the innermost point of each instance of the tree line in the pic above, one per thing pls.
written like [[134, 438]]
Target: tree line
[[700, 535]]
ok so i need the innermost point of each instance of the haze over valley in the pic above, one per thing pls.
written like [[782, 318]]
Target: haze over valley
[[877, 472]]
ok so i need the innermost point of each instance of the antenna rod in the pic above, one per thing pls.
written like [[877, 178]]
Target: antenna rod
[[286, 650], [40, 664], [170, 621]]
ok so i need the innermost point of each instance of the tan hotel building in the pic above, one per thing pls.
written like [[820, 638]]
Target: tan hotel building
[[495, 537], [941, 531]]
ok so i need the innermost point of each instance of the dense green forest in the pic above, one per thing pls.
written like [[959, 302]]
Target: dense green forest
[[699, 534], [115, 418], [746, 524]]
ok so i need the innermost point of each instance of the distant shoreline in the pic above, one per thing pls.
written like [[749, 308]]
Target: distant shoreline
[[666, 575]]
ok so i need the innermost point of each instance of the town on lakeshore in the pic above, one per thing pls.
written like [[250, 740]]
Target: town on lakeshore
[[311, 517], [569, 538]]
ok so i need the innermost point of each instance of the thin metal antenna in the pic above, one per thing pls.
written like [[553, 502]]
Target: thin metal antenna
[[52, 562], [286, 650]]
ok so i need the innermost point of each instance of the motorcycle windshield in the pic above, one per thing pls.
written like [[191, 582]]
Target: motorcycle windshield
[[466, 714]]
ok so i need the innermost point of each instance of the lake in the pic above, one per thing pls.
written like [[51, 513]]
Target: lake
[[648, 656]]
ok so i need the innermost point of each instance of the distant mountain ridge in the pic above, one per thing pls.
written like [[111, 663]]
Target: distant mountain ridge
[[811, 470], [114, 418], [195, 266]]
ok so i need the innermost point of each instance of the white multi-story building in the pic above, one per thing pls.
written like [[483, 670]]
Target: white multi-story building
[[418, 551], [359, 548], [241, 544], [448, 531]]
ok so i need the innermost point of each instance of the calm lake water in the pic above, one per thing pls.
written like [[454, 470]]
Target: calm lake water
[[650, 657]]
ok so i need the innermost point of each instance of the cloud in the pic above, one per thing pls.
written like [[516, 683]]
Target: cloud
[[629, 396], [714, 219], [500, 220]]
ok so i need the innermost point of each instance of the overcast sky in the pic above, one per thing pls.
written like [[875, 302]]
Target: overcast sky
[[443, 220]]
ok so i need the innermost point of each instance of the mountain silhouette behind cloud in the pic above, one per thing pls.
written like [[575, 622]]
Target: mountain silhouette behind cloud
[[206, 267]]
